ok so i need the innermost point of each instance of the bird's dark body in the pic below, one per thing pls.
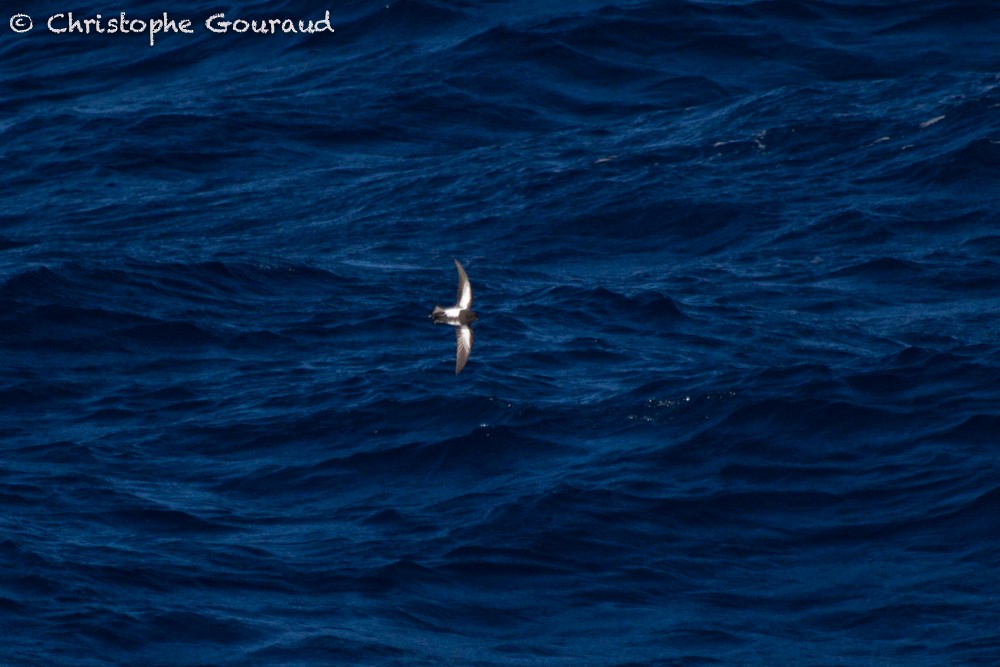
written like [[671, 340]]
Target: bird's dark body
[[464, 317]]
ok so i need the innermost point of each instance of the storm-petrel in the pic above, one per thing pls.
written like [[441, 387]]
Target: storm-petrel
[[461, 316]]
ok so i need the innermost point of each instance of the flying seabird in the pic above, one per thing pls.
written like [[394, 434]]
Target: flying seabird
[[460, 316]]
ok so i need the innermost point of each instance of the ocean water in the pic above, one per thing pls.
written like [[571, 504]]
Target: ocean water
[[734, 397]]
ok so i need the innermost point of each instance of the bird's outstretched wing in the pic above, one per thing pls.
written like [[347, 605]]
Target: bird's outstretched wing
[[463, 336], [464, 288]]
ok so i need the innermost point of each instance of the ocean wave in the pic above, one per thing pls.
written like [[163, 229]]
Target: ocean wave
[[733, 391]]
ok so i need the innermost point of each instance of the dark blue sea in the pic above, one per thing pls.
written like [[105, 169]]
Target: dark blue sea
[[734, 396]]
